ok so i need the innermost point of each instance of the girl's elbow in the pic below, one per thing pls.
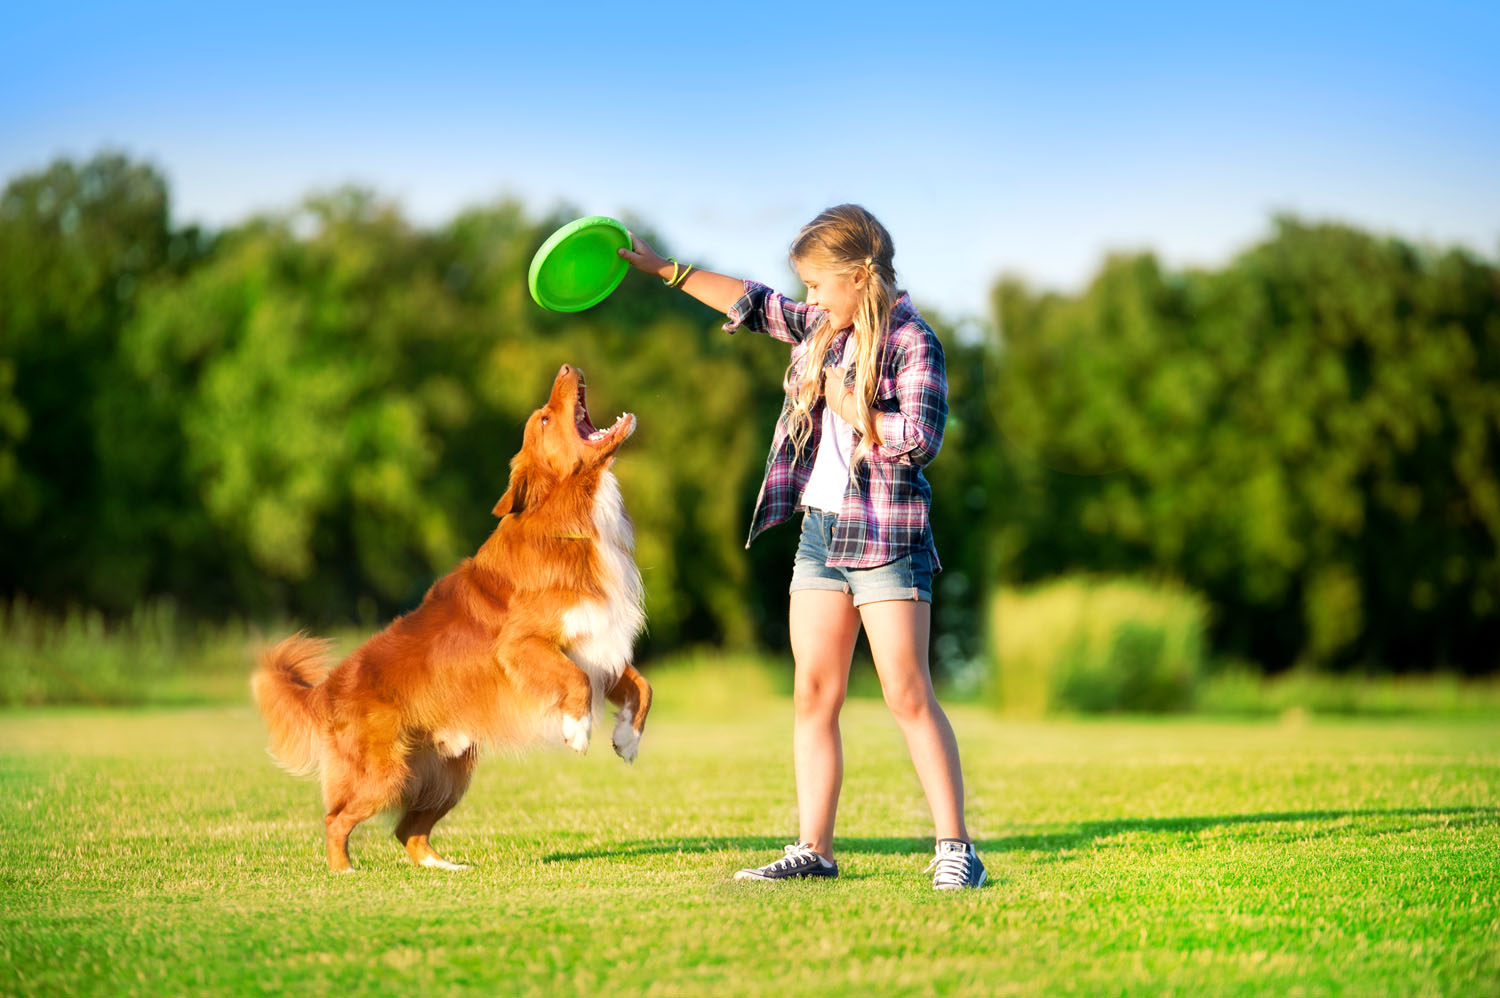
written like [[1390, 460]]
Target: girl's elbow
[[926, 442], [924, 453]]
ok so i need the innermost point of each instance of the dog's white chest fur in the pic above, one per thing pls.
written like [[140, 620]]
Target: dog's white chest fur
[[599, 636]]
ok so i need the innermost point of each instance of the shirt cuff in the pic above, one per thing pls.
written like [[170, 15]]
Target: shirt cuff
[[741, 309], [894, 440]]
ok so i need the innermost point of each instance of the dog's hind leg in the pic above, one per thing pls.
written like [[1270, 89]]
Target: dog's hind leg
[[632, 694], [338, 825], [436, 785], [355, 789]]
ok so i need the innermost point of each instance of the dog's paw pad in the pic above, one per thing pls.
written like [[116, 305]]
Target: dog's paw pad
[[627, 740], [575, 732]]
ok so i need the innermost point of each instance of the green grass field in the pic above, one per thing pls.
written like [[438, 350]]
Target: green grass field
[[160, 852]]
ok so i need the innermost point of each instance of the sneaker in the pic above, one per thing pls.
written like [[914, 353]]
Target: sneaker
[[800, 861], [957, 866]]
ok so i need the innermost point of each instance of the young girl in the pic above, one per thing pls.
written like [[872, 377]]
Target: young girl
[[866, 400]]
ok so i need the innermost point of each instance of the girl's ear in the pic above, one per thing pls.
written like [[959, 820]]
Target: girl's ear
[[515, 498]]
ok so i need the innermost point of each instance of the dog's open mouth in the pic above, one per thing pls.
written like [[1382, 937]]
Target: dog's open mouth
[[622, 427]]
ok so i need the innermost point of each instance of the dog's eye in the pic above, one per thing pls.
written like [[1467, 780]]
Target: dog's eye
[[546, 420]]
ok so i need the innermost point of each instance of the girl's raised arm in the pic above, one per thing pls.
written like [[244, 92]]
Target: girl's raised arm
[[717, 291]]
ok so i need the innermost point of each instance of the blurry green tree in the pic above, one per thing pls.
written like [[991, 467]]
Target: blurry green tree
[[310, 414], [78, 244], [1310, 436]]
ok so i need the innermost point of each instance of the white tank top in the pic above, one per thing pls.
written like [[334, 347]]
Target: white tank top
[[830, 470]]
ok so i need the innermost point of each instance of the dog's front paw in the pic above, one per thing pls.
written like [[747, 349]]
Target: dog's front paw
[[626, 739], [575, 732]]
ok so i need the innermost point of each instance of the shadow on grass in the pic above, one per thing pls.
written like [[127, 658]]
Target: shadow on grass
[[1368, 821], [1072, 837]]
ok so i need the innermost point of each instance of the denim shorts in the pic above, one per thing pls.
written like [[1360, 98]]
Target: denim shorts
[[908, 577]]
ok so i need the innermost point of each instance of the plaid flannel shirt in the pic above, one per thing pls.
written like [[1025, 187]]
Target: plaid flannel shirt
[[886, 508]]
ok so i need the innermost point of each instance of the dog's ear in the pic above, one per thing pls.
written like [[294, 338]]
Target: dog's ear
[[514, 500]]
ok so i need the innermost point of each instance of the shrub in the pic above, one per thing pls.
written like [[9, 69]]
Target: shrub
[[1241, 690], [152, 655], [1096, 645]]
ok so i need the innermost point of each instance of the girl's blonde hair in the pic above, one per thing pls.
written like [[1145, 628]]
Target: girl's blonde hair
[[847, 241]]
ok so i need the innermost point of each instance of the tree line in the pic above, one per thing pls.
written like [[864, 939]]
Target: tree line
[[309, 415]]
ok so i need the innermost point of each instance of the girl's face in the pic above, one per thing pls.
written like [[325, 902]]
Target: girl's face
[[837, 294]]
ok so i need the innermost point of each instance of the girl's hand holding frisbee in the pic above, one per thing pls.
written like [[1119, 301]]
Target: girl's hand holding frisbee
[[642, 257], [717, 291]]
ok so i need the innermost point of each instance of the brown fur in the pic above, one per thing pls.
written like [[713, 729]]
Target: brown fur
[[483, 660]]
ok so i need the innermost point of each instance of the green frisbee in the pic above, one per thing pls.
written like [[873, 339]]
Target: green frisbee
[[579, 265]]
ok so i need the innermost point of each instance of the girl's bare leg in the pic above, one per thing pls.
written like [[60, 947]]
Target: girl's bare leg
[[898, 632], [823, 625]]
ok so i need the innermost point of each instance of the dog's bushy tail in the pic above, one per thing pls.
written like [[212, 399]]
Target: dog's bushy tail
[[287, 690]]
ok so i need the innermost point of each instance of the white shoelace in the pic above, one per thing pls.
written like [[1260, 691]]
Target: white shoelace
[[796, 855], [952, 868]]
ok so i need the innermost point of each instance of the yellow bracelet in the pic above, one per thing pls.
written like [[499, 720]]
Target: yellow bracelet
[[671, 281], [677, 282]]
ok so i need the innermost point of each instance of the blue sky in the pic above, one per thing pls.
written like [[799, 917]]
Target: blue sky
[[990, 138]]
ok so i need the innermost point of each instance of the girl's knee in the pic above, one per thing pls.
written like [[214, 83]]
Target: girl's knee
[[910, 703], [818, 698]]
